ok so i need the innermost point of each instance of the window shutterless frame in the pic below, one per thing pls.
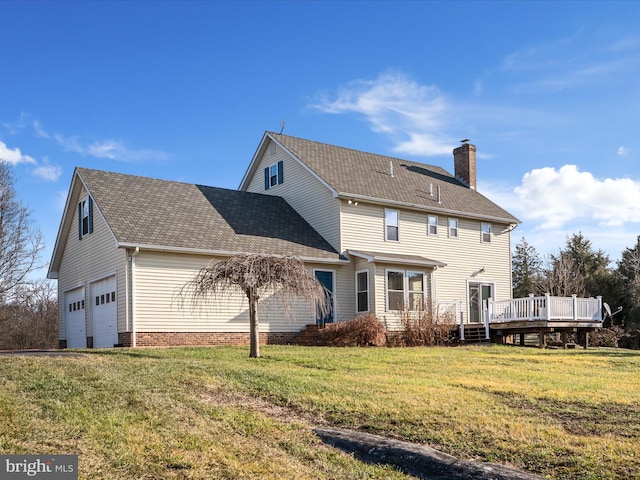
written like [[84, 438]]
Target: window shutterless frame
[[485, 232], [453, 227], [391, 225], [362, 291]]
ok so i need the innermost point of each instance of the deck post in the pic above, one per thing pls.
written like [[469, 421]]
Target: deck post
[[575, 307], [586, 339], [530, 306], [547, 306], [487, 313], [599, 297], [522, 338], [461, 325], [541, 339], [565, 339]]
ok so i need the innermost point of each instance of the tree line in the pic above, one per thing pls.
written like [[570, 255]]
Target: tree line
[[579, 269], [28, 307]]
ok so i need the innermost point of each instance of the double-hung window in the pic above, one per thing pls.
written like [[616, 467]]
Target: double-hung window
[[453, 227], [405, 290], [85, 217], [273, 175], [432, 224], [485, 229], [392, 222], [362, 291]]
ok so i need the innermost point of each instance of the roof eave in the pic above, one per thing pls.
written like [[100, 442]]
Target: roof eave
[[416, 206], [221, 253], [380, 257]]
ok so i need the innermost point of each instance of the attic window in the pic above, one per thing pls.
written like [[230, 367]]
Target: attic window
[[273, 175], [85, 217]]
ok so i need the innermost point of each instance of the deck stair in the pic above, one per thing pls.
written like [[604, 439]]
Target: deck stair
[[475, 333], [308, 337]]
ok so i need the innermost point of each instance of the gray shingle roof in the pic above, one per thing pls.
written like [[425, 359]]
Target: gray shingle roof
[[149, 212], [362, 174]]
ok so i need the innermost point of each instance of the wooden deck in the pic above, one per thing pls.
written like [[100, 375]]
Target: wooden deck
[[542, 315], [509, 319]]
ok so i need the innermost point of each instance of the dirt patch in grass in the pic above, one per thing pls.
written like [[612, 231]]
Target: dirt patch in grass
[[579, 417], [417, 460]]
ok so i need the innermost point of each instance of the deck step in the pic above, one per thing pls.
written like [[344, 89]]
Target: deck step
[[475, 334], [308, 337]]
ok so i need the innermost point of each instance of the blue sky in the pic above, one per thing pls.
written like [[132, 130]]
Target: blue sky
[[548, 91]]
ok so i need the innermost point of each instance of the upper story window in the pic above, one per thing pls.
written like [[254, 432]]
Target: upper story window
[[273, 175], [453, 227], [392, 222], [85, 217], [485, 229], [432, 225]]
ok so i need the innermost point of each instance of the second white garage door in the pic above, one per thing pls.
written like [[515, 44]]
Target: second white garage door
[[105, 313]]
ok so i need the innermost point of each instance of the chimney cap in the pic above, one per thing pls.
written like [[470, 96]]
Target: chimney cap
[[465, 140]]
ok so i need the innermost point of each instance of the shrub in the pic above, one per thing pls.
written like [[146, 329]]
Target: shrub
[[363, 331], [424, 328], [608, 337]]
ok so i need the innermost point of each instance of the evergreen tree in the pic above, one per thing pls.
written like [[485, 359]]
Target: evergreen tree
[[629, 271], [526, 269]]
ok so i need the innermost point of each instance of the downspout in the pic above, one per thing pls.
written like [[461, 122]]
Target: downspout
[[133, 296]]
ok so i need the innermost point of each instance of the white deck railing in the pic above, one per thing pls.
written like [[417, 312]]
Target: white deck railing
[[545, 308]]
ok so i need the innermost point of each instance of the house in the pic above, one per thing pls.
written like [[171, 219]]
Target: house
[[383, 234]]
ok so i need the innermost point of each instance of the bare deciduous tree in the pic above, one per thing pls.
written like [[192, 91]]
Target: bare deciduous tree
[[20, 239], [30, 319], [562, 278], [256, 275]]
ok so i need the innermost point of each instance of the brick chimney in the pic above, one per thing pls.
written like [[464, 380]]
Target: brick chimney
[[464, 164]]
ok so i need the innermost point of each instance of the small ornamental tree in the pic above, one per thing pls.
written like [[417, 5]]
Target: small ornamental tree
[[256, 275]]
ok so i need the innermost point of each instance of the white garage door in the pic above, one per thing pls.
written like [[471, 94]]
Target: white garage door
[[105, 313], [75, 318]]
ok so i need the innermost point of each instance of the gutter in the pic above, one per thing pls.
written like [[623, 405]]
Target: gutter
[[222, 253], [416, 206], [133, 296]]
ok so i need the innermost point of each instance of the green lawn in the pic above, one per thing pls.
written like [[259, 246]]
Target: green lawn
[[215, 413]]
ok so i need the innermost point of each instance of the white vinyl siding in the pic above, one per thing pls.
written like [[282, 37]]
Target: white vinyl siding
[[304, 192], [159, 307], [89, 259], [464, 255]]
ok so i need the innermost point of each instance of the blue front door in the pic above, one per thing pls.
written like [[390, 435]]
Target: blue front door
[[326, 278]]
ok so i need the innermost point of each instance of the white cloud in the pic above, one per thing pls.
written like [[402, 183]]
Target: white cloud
[[413, 115], [623, 150], [571, 61], [40, 132], [47, 172], [15, 156], [560, 197], [108, 149]]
